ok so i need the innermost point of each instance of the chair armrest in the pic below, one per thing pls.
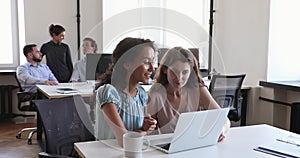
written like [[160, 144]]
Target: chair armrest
[[26, 96], [47, 155]]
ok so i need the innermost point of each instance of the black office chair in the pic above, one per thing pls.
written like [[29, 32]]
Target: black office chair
[[25, 104], [225, 89], [65, 121]]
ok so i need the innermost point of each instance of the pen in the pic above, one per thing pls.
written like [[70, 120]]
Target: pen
[[288, 142]]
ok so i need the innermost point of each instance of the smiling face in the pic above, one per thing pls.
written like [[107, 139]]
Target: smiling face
[[58, 38], [178, 74], [142, 67]]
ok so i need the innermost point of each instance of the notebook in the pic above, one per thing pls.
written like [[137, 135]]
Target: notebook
[[282, 147], [194, 130]]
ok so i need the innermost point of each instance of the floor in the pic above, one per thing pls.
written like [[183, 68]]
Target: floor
[[11, 147]]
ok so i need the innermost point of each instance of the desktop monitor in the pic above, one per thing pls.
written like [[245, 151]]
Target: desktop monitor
[[161, 53], [96, 64], [195, 52]]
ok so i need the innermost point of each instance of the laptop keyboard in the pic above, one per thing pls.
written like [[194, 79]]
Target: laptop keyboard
[[164, 146]]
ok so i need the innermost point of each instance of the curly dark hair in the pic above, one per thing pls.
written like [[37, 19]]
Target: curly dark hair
[[129, 46]]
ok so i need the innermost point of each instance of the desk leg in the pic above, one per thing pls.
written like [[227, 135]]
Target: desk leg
[[244, 93], [295, 118], [2, 101]]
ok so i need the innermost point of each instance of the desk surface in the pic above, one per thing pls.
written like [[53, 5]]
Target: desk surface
[[239, 142], [286, 85], [7, 71], [85, 89]]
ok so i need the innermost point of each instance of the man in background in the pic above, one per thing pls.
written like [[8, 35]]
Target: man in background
[[33, 72], [79, 72]]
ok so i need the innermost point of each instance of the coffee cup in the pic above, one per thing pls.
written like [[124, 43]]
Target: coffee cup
[[133, 144]]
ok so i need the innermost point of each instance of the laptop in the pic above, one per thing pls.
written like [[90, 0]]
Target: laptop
[[193, 130]]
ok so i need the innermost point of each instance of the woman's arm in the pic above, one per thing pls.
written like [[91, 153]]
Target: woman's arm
[[114, 121], [149, 123], [209, 103]]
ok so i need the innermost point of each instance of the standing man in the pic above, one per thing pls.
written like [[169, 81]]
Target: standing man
[[58, 54], [33, 72]]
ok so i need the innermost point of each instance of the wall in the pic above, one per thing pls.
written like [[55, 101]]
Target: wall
[[40, 14], [240, 34], [240, 31], [241, 46]]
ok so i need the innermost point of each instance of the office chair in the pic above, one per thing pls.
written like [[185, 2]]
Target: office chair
[[25, 104], [65, 121], [225, 89]]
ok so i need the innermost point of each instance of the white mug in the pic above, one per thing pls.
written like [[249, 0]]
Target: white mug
[[133, 144]]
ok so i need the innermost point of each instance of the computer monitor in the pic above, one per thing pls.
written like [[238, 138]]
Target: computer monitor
[[96, 64], [195, 52], [161, 53]]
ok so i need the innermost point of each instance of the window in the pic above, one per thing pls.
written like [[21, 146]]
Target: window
[[10, 33], [169, 23], [283, 57]]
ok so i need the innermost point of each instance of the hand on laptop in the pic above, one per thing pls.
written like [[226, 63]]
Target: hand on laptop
[[149, 124], [224, 130], [221, 137]]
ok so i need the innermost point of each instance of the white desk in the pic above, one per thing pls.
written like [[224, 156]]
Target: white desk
[[239, 143], [85, 89]]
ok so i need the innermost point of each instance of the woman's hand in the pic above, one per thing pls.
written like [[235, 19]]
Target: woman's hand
[[224, 131], [221, 137], [149, 124]]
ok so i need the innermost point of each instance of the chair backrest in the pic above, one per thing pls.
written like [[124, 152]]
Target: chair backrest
[[225, 89], [66, 121], [25, 98], [19, 84]]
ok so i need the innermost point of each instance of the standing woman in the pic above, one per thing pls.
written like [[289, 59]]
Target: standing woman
[[58, 54], [120, 103]]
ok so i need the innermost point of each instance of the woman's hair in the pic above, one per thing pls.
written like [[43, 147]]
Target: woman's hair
[[93, 43], [125, 52], [56, 29], [183, 55]]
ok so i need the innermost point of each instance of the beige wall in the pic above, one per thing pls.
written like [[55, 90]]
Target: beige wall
[[240, 34], [241, 30], [40, 14], [241, 46]]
